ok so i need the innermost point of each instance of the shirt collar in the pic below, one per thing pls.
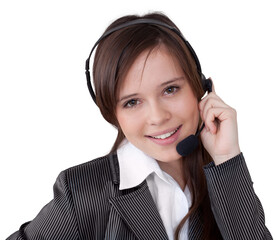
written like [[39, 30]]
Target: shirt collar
[[135, 166]]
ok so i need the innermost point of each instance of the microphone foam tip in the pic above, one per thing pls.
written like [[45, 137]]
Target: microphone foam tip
[[187, 146]]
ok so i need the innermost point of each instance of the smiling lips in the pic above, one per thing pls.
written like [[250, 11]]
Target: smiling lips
[[167, 137]]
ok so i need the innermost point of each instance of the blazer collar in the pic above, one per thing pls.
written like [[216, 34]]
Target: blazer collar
[[114, 166]]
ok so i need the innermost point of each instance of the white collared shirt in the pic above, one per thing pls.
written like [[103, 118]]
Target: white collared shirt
[[172, 203]]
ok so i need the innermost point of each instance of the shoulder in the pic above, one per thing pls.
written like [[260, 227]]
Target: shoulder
[[82, 193], [90, 176], [99, 167], [95, 163]]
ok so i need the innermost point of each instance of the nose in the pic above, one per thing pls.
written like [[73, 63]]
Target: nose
[[158, 113]]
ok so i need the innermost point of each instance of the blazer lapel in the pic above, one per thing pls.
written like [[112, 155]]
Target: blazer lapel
[[140, 214]]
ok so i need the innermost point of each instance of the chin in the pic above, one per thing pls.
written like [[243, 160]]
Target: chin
[[167, 156]]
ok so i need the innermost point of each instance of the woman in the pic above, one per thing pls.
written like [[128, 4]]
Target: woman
[[149, 85]]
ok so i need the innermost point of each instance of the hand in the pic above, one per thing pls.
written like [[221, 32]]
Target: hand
[[220, 135]]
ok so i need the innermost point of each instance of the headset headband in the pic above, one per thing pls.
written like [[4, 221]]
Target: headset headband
[[135, 22]]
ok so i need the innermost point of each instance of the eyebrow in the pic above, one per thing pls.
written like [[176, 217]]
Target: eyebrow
[[127, 96], [163, 84], [173, 80]]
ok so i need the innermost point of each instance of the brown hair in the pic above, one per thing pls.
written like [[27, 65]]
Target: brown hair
[[113, 58]]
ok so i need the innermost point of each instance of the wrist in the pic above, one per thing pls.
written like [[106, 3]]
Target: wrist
[[219, 159]]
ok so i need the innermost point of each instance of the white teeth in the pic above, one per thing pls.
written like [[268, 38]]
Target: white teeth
[[166, 135]]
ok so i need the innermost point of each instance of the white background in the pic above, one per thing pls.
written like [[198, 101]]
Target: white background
[[48, 121]]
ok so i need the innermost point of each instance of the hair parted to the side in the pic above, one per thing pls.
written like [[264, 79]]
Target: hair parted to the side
[[113, 58]]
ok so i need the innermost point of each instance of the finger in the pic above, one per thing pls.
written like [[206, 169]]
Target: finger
[[206, 98], [212, 101], [215, 116]]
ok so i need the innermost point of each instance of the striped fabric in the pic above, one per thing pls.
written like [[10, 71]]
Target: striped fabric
[[88, 204], [237, 209]]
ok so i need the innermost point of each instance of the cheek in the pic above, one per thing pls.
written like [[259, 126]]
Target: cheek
[[187, 108], [129, 123]]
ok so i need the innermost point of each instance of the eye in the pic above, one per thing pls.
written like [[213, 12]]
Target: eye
[[131, 103], [171, 90]]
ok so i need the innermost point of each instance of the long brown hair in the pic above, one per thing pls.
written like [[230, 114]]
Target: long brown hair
[[113, 58]]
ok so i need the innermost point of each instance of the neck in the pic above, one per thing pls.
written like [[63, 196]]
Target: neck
[[175, 170]]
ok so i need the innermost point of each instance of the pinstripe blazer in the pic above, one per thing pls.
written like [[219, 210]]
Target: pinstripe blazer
[[88, 204]]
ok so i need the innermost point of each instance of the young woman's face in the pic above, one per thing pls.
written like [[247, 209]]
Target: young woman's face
[[156, 108]]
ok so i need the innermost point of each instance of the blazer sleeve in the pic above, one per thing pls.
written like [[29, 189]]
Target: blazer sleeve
[[55, 221], [236, 208]]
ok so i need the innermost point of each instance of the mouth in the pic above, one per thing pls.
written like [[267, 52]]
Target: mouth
[[167, 137]]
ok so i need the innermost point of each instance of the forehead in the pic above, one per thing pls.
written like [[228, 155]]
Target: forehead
[[150, 68]]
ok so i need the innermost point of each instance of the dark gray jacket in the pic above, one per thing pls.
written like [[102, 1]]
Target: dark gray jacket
[[88, 204]]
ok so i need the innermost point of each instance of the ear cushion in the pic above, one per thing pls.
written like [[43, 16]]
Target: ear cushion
[[206, 83]]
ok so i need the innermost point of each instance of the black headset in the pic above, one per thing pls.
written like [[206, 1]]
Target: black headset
[[189, 144]]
